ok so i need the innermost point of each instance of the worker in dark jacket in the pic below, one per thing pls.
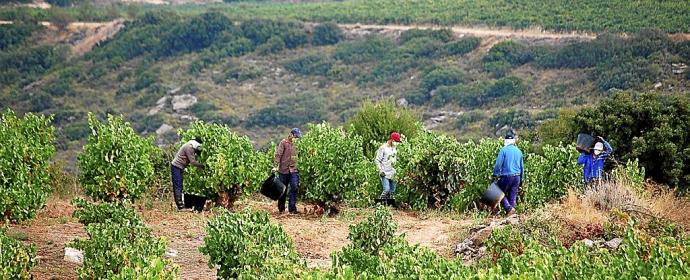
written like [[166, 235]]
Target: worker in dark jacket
[[593, 164], [285, 163], [510, 170], [184, 157]]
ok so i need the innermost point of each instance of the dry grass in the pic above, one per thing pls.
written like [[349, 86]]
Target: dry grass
[[664, 203], [579, 211], [608, 195]]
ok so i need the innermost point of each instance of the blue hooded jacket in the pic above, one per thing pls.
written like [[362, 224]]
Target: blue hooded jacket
[[594, 167]]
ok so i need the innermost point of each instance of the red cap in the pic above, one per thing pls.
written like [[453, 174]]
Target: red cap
[[395, 137]]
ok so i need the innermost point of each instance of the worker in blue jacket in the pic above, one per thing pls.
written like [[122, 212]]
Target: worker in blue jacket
[[593, 164], [510, 170]]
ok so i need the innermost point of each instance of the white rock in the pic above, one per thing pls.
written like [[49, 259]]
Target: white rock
[[588, 243], [175, 90], [74, 255], [162, 100], [402, 102], [657, 85], [165, 128], [171, 253], [614, 243], [184, 101]]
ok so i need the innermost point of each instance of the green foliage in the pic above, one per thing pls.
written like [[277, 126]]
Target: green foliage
[[24, 162], [558, 130], [509, 51], [468, 118], [589, 15], [441, 76], [327, 34], [374, 122], [119, 245], [115, 163], [462, 46], [24, 65], [310, 65], [365, 50], [199, 33], [550, 174], [648, 126], [231, 164], [16, 34], [420, 47], [373, 233], [332, 166], [262, 31], [429, 170], [515, 119], [475, 164], [248, 246], [292, 110], [443, 35], [106, 213], [274, 45], [506, 88], [16, 259]]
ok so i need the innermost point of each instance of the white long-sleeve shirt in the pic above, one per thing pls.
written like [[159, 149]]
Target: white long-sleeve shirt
[[386, 156]]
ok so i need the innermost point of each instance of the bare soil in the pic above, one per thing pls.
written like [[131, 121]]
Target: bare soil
[[315, 236]]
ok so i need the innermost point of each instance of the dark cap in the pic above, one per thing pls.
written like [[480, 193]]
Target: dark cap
[[510, 135], [296, 132]]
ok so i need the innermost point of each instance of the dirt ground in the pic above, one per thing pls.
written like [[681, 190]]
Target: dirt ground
[[315, 237]]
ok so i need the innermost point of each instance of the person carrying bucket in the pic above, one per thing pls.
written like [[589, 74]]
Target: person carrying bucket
[[285, 163], [509, 169], [386, 156], [184, 157], [593, 163]]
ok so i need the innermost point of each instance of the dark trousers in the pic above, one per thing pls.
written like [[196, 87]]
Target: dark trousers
[[177, 185], [510, 186], [293, 180]]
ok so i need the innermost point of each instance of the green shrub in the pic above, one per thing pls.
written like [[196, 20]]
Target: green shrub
[[16, 259], [374, 122], [274, 45], [370, 48], [248, 246], [373, 233], [310, 65], [475, 166], [122, 248], [24, 162], [394, 67], [199, 33], [420, 47], [509, 51], [506, 88], [115, 163], [626, 73], [441, 76], [428, 170], [260, 31], [232, 165], [468, 118], [443, 35], [648, 126], [463, 46], [16, 34], [550, 174], [293, 110], [327, 34], [515, 119], [106, 213], [332, 167]]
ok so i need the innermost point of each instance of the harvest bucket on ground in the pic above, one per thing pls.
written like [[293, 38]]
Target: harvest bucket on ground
[[273, 188], [194, 201], [584, 142], [493, 195]]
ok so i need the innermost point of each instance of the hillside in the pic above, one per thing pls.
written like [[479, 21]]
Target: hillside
[[164, 69]]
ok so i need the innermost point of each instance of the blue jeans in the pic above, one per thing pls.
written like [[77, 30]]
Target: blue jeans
[[176, 173], [293, 180], [388, 187], [510, 186]]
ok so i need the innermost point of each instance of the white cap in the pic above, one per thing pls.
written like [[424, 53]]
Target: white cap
[[599, 146]]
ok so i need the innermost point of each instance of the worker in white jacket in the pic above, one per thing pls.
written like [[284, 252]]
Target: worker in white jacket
[[385, 159]]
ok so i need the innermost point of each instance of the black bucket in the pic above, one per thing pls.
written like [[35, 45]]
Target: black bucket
[[585, 142], [195, 202], [273, 188], [493, 195], [389, 201]]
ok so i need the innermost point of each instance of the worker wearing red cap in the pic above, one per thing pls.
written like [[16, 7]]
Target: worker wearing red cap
[[385, 159]]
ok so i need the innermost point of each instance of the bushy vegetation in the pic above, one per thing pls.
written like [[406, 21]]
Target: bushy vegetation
[[24, 162], [16, 259], [590, 15], [374, 122], [119, 245], [648, 126], [115, 162], [231, 164], [247, 245], [292, 110], [327, 34], [332, 167]]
